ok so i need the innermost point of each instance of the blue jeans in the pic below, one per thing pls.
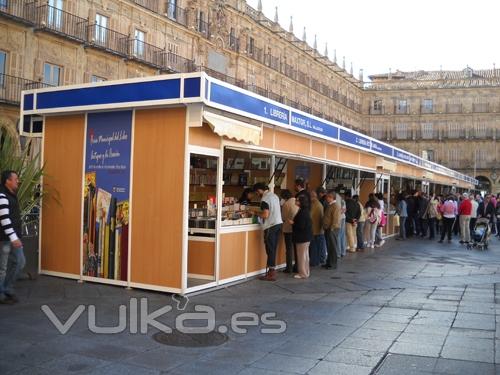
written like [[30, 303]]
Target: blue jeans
[[271, 238], [402, 227], [317, 250], [12, 262], [342, 247]]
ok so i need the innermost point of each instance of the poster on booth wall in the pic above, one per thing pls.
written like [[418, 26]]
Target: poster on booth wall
[[106, 195]]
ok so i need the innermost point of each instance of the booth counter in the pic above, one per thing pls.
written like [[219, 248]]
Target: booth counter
[[144, 177]]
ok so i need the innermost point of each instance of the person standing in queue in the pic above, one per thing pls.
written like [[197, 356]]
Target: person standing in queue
[[331, 224], [270, 217], [12, 258], [360, 228], [300, 189], [288, 212], [302, 236]]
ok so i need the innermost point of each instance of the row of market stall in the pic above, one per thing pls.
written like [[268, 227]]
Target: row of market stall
[[143, 177]]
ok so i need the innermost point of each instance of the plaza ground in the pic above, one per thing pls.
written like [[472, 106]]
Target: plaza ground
[[414, 307]]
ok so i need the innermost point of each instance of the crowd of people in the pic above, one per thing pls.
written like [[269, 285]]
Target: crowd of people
[[319, 226], [430, 215]]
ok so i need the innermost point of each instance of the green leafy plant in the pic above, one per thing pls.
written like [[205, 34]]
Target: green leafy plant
[[29, 168]]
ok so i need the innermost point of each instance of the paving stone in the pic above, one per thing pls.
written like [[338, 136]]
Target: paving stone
[[159, 359], [124, 369], [366, 344], [354, 357], [468, 354], [418, 349], [456, 367], [406, 364], [202, 367], [376, 334], [328, 368], [72, 363], [297, 348], [285, 363], [418, 338]]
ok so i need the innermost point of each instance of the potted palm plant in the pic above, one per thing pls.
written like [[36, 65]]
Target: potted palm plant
[[30, 171]]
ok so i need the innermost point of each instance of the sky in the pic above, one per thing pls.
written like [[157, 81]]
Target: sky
[[406, 35]]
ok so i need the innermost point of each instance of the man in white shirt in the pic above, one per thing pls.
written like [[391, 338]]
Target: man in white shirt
[[271, 222]]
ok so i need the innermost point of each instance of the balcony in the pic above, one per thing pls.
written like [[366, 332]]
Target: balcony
[[483, 133], [256, 54], [272, 62], [11, 87], [426, 109], [176, 64], [223, 77], [177, 14], [18, 10], [152, 5], [402, 109], [203, 28], [145, 52], [453, 108], [480, 107], [456, 134], [60, 22], [108, 40], [289, 71], [234, 43]]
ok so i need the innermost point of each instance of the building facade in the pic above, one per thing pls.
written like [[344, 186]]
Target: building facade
[[450, 117], [61, 42]]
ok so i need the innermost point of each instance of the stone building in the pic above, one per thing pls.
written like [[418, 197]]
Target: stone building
[[450, 117], [61, 42]]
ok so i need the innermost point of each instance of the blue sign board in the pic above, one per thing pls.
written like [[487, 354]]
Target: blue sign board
[[314, 126], [406, 157], [235, 99], [382, 148], [355, 139]]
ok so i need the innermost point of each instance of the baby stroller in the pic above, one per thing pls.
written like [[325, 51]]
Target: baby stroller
[[480, 235]]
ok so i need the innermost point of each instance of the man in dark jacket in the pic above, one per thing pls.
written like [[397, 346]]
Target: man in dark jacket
[[352, 215], [12, 259]]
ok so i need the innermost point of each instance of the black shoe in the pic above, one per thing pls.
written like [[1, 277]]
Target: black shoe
[[326, 266], [295, 270], [461, 242], [12, 297], [286, 270], [440, 241], [449, 241]]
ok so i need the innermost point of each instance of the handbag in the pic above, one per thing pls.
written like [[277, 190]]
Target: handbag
[[396, 220]]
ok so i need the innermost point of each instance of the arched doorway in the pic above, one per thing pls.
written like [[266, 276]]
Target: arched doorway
[[484, 185]]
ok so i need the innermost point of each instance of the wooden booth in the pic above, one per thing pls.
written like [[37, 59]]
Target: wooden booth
[[143, 177]]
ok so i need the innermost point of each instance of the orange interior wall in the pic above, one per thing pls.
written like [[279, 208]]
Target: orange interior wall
[[204, 136], [62, 206], [201, 258], [157, 197]]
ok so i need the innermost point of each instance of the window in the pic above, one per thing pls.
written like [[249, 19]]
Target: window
[[54, 16], [402, 131], [377, 105], [378, 131], [101, 31], [52, 74], [401, 106], [453, 130], [202, 27], [139, 43], [251, 45], [95, 79], [3, 60], [480, 130], [453, 154], [427, 130], [429, 154], [427, 106], [172, 9]]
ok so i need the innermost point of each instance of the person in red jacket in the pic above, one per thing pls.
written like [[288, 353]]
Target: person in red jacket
[[465, 211]]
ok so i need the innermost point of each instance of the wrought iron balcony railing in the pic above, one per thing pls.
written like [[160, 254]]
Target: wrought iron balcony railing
[[152, 5], [203, 28], [177, 14], [20, 10], [60, 22], [175, 63], [11, 87], [480, 107], [108, 40], [145, 52]]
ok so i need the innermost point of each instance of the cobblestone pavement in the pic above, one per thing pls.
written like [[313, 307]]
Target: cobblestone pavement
[[415, 307]]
